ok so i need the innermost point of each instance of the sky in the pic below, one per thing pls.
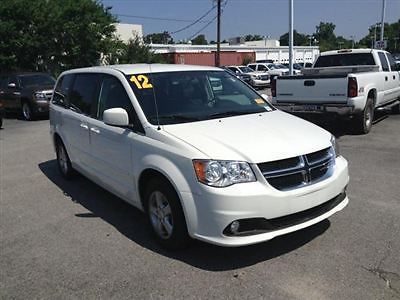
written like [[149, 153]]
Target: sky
[[264, 17]]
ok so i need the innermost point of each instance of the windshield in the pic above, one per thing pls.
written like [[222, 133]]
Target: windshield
[[279, 66], [246, 69], [190, 96], [36, 80]]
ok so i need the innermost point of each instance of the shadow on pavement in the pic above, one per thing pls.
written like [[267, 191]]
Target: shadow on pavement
[[132, 223]]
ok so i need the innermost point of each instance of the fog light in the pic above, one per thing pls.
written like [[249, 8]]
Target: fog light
[[234, 226]]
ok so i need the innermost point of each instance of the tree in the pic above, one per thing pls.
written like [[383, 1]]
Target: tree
[[391, 34], [54, 35], [251, 37], [135, 51], [325, 36], [199, 40], [299, 39], [159, 38]]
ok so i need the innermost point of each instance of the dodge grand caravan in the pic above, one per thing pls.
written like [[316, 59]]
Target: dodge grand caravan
[[200, 152]]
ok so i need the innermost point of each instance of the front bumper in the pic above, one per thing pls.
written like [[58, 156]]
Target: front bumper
[[41, 107], [259, 83], [339, 109], [216, 208]]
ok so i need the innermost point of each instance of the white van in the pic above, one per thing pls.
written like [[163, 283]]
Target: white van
[[214, 162]]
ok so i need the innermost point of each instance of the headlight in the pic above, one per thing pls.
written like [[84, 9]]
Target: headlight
[[40, 96], [222, 173], [335, 146], [256, 77]]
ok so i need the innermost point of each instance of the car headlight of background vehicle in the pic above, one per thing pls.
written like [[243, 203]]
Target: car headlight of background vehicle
[[258, 77], [335, 146], [40, 96], [222, 173]]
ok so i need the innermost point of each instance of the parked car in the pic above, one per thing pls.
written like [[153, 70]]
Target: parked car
[[257, 79], [199, 151], [296, 68], [27, 93], [268, 68], [242, 76], [1, 113], [348, 83]]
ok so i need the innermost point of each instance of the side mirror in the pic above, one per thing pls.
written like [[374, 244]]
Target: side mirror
[[116, 117], [12, 85]]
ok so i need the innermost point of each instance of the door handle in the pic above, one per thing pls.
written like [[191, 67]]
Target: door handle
[[95, 130], [394, 77], [84, 126], [386, 78]]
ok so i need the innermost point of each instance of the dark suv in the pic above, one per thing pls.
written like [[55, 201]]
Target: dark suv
[[28, 93]]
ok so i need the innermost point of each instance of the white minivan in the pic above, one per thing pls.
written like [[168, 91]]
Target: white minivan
[[203, 154]]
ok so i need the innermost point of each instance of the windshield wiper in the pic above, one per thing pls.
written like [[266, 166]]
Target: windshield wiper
[[177, 118], [232, 113]]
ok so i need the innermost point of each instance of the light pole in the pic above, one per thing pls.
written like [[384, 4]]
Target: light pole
[[383, 21], [290, 37], [310, 37], [352, 41]]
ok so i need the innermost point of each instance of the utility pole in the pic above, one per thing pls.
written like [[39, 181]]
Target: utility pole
[[217, 55], [383, 21], [290, 37]]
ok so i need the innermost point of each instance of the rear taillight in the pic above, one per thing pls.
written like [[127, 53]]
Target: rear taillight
[[352, 88], [273, 86]]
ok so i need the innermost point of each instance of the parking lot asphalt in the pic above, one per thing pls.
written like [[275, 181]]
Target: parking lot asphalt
[[63, 239]]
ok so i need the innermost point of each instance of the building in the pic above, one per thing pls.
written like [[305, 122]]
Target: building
[[279, 54], [125, 32]]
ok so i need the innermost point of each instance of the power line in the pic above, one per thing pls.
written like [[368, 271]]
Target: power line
[[195, 22], [209, 23], [154, 18]]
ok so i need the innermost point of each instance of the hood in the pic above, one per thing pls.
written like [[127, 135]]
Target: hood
[[254, 138]]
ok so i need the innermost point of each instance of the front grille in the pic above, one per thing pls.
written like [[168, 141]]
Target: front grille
[[295, 172], [264, 77]]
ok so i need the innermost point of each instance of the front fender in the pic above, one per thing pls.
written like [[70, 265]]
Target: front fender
[[181, 177]]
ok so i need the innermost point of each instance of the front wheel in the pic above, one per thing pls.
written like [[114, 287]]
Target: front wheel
[[166, 215], [363, 122], [27, 112]]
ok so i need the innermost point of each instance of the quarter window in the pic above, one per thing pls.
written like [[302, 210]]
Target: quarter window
[[382, 58], [62, 89]]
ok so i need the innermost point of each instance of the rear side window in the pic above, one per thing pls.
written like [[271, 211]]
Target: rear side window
[[338, 60], [391, 61], [382, 58], [262, 68], [252, 67], [84, 93], [62, 89]]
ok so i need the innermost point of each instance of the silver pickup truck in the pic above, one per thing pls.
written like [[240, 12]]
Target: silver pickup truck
[[349, 83]]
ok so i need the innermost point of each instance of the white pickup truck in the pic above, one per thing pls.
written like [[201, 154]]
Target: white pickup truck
[[349, 83]]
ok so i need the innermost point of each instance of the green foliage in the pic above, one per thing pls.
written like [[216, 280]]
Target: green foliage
[[247, 60], [391, 34], [137, 52], [199, 40], [299, 39], [251, 37], [54, 35], [159, 38]]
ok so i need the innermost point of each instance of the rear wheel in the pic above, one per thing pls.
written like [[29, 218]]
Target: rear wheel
[[166, 215], [363, 122], [63, 161], [27, 111]]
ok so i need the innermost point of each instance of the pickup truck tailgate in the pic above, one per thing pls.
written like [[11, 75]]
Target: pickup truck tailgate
[[312, 89]]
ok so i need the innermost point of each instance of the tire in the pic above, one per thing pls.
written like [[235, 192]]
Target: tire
[[363, 122], [165, 215], [27, 112], [63, 161], [396, 109]]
